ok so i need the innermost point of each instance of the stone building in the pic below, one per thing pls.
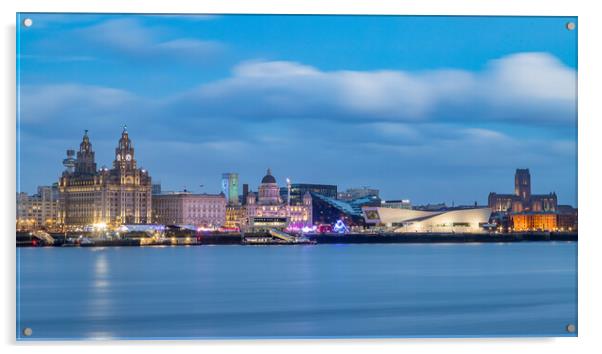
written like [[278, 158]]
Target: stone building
[[522, 200], [185, 208], [267, 209], [236, 217], [37, 211], [534, 221], [91, 196], [567, 218]]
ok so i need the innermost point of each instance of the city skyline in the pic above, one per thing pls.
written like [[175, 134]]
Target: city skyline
[[425, 119], [282, 182]]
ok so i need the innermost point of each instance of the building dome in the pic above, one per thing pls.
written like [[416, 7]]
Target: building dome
[[269, 192], [268, 178]]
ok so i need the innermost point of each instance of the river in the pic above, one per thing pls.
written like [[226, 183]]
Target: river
[[367, 290]]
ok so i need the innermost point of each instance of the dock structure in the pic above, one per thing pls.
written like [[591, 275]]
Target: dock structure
[[276, 237]]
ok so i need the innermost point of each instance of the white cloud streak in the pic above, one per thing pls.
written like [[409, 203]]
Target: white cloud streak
[[529, 87], [131, 37]]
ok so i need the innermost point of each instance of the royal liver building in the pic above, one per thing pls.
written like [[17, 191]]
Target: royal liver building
[[120, 195]]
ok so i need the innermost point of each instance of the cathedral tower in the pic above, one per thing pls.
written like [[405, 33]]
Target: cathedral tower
[[522, 184]]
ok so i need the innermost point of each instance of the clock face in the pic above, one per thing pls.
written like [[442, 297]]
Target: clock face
[[118, 157], [128, 157]]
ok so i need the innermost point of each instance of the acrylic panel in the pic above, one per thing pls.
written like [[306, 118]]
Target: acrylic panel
[[307, 176]]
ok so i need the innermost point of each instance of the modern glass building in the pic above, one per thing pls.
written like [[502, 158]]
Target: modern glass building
[[328, 210], [298, 190]]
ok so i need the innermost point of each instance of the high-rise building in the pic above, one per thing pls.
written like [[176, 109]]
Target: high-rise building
[[185, 208], [156, 188], [120, 195], [40, 210], [230, 187], [522, 200], [298, 190], [245, 192]]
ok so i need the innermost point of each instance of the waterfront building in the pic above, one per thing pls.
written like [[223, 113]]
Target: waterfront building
[[230, 187], [266, 209], [327, 210], [185, 208], [298, 191], [462, 219], [40, 210], [357, 193], [534, 221], [567, 218], [400, 204], [120, 195], [156, 188], [522, 200], [236, 217], [431, 207]]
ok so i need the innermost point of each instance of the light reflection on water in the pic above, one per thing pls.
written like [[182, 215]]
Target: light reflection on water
[[299, 291], [100, 298]]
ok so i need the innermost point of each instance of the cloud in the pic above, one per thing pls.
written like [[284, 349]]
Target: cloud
[[525, 87], [473, 128], [57, 58], [129, 36], [67, 102], [188, 47]]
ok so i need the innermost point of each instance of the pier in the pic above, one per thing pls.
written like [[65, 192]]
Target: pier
[[280, 238]]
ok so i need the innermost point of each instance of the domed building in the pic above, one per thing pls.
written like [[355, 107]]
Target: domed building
[[269, 192], [267, 209]]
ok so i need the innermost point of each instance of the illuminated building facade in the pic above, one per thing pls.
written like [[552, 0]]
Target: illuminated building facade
[[120, 195], [184, 208], [267, 209], [532, 221], [409, 220], [522, 200], [230, 187], [40, 210], [236, 216]]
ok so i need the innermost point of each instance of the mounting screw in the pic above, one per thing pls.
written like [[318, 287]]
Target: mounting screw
[[27, 22], [27, 332], [570, 26], [571, 328]]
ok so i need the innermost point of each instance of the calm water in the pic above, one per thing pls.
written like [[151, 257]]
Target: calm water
[[524, 289]]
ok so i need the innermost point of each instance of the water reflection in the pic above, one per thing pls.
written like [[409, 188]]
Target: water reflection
[[316, 291], [100, 304]]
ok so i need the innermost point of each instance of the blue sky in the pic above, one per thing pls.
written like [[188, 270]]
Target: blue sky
[[434, 109]]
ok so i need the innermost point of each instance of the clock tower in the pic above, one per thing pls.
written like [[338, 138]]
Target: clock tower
[[124, 153]]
